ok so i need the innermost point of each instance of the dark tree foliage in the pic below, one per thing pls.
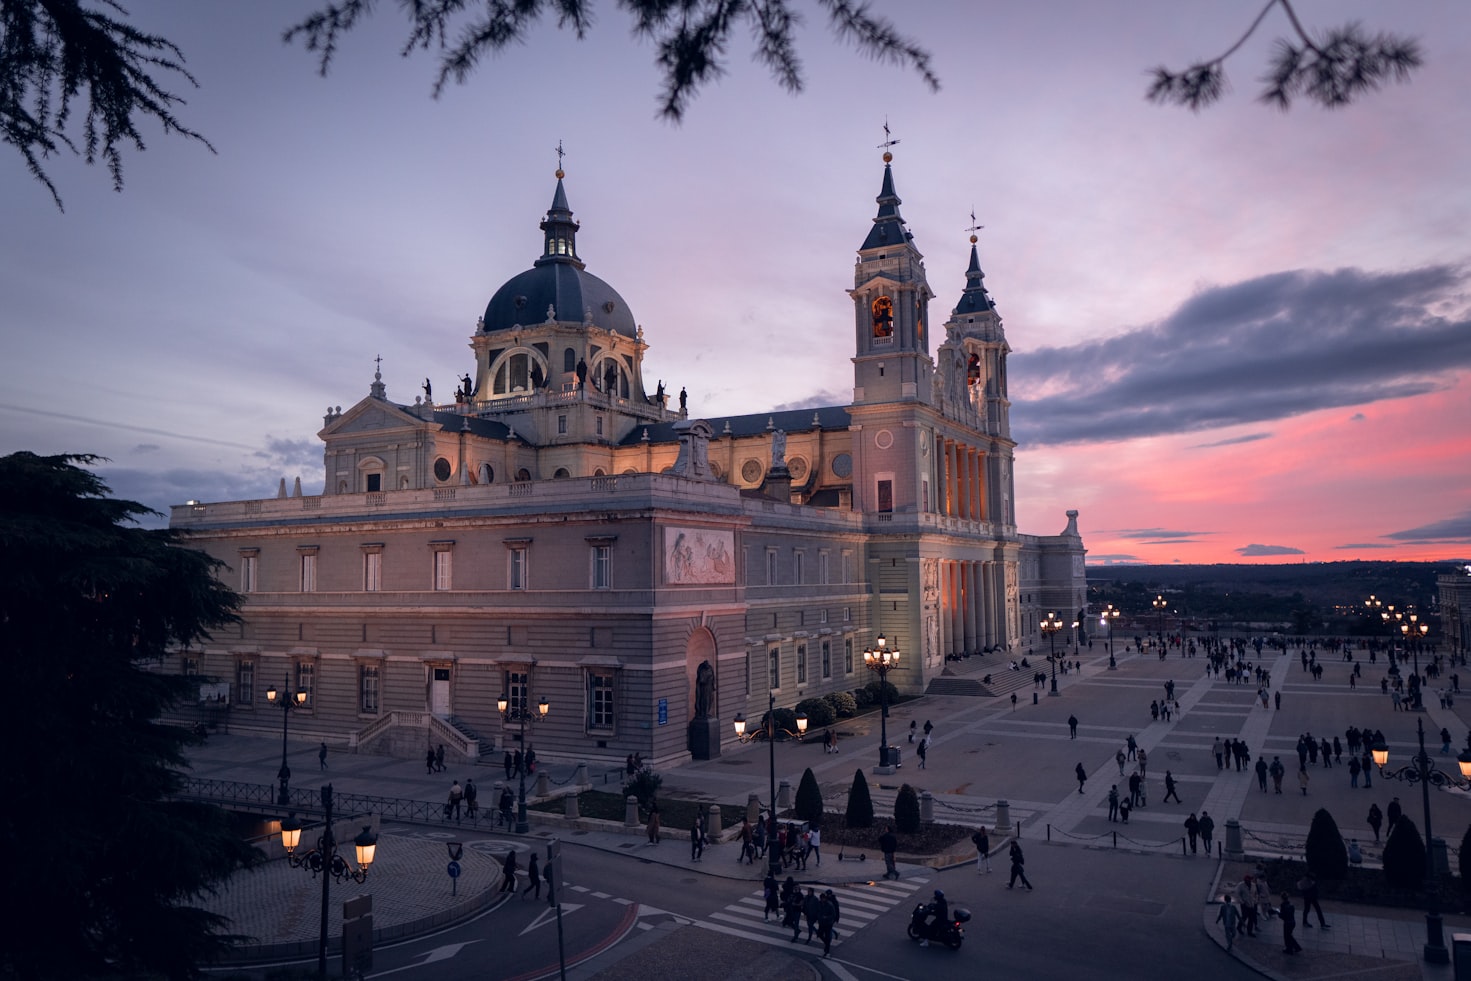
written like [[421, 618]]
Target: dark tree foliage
[[1327, 855], [1464, 861], [860, 804], [1331, 70], [819, 713], [906, 811], [809, 800], [102, 866], [1404, 855], [690, 37], [58, 55], [644, 785]]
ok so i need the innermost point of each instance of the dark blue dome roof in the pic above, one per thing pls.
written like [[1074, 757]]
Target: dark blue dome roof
[[568, 289]]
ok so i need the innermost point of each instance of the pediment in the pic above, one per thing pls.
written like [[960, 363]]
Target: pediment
[[373, 415]]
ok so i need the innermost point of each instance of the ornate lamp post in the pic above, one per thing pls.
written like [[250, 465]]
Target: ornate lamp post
[[1412, 633], [521, 712], [1050, 626], [1109, 616], [769, 729], [1422, 771], [288, 702], [327, 861], [1159, 605], [880, 658]]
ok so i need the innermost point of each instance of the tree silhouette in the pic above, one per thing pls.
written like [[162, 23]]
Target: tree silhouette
[[860, 804]]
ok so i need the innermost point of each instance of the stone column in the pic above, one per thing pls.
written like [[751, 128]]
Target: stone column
[[1003, 817]]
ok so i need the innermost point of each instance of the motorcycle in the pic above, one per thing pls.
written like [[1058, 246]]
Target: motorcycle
[[950, 933]]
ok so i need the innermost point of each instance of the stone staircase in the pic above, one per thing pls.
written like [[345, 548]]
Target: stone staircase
[[486, 743]]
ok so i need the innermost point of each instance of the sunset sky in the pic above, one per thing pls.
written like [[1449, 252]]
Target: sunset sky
[[1237, 335]]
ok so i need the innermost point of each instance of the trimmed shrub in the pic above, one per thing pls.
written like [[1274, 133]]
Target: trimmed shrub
[[862, 698], [809, 800], [1326, 854], [1404, 855], [785, 719], [843, 704], [906, 811], [644, 785], [860, 804], [873, 692], [820, 714]]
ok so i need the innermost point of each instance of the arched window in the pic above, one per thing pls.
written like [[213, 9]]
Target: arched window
[[523, 474], [883, 317], [569, 361], [517, 372], [561, 474], [486, 474]]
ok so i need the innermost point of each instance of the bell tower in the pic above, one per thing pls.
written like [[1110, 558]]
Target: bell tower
[[890, 307]]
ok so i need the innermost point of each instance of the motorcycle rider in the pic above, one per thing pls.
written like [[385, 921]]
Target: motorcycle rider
[[939, 915]]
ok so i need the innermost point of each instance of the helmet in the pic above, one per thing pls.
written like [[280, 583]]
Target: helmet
[[939, 894]]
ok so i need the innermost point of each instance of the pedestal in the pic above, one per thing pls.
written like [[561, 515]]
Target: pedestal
[[705, 738]]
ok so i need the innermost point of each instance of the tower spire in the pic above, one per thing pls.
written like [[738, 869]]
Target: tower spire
[[558, 229], [888, 224], [974, 299]]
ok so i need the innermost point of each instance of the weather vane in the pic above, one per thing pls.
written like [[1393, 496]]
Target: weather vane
[[379, 362], [888, 138], [973, 226], [560, 154]]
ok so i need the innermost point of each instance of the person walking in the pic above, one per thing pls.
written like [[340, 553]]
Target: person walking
[[472, 806], [652, 829], [1278, 772], [322, 755], [1277, 700], [1192, 832], [1170, 790], [913, 730], [1393, 813], [923, 750], [439, 759], [810, 904], [982, 841], [456, 795], [1261, 773], [1143, 763], [814, 844], [792, 908], [1207, 830], [889, 844], [1018, 866], [508, 869], [697, 836], [1245, 896], [533, 878], [769, 891], [429, 760], [506, 802], [510, 763], [1288, 913], [1132, 745], [1219, 749], [1228, 916], [1376, 819], [1353, 772], [1307, 886], [1072, 725], [1082, 776], [1113, 802], [1119, 759], [1302, 779], [827, 915]]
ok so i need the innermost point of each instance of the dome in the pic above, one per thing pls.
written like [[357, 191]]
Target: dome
[[568, 290]]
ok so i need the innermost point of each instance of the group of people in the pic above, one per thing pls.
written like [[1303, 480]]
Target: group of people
[[1245, 905], [821, 911], [921, 748], [519, 763], [535, 875]]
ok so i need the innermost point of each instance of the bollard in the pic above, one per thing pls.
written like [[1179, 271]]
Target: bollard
[[630, 813], [1003, 817], [712, 822], [784, 795], [1234, 849], [926, 806], [1049, 832], [753, 808], [580, 777], [569, 804], [542, 783], [1116, 839], [1034, 698]]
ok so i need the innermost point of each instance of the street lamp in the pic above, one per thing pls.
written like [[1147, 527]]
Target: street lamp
[[288, 702], [1050, 626], [1159, 605], [769, 728], [1412, 633], [1422, 771], [327, 861], [519, 711], [880, 658], [1109, 616]]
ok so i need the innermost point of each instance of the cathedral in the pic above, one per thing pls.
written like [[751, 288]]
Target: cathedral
[[561, 551]]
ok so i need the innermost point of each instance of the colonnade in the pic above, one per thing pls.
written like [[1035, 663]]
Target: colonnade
[[970, 615], [962, 479]]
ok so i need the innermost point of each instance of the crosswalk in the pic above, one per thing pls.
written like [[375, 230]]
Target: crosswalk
[[859, 904]]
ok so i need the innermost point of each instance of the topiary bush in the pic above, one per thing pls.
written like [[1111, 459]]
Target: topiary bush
[[1404, 855], [906, 811], [860, 804], [862, 698], [820, 714], [1326, 854], [809, 800], [843, 704], [785, 719], [873, 692]]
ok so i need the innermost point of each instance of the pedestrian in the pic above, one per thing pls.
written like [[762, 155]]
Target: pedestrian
[[1207, 829], [472, 806], [1170, 790], [1376, 818], [506, 801], [1124, 810], [1278, 772], [516, 762], [814, 844], [810, 904], [697, 836], [923, 750], [456, 794], [1364, 767], [1289, 925], [1072, 725], [429, 760], [1192, 831], [439, 758], [792, 908], [747, 845], [1227, 916], [1261, 773], [1353, 772], [1113, 802], [1218, 748], [889, 844], [1018, 863], [508, 869], [928, 727], [769, 892], [530, 760], [533, 878], [827, 915], [914, 726], [1119, 759], [1302, 779], [1245, 896], [982, 841], [1082, 776], [322, 754], [510, 764], [1393, 812], [1143, 763], [1132, 745], [652, 828], [1013, 708], [1134, 786], [1308, 887]]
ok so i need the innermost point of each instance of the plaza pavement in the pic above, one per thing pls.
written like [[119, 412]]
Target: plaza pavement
[[983, 751]]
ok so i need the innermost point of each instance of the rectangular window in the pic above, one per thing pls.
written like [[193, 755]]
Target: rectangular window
[[561, 425], [847, 565], [443, 569], [308, 572], [368, 688], [602, 567], [774, 663], [517, 576], [801, 664], [306, 674], [771, 567], [600, 425], [799, 568], [822, 570], [886, 496], [848, 655], [924, 492], [372, 571], [248, 570], [515, 693], [827, 659], [375, 483], [245, 683], [600, 701], [191, 665]]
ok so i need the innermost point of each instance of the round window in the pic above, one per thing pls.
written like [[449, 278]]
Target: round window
[[797, 467], [842, 465], [751, 471], [442, 469]]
